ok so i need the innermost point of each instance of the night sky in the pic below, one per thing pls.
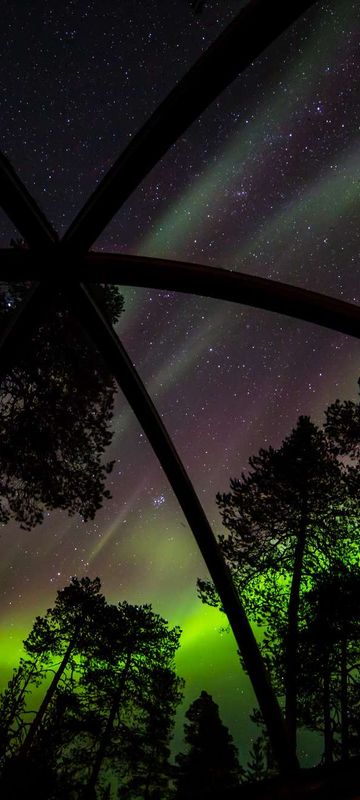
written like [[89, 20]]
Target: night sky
[[267, 182]]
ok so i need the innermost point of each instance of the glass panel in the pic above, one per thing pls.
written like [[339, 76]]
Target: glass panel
[[103, 71], [234, 378], [143, 551], [229, 381], [266, 181]]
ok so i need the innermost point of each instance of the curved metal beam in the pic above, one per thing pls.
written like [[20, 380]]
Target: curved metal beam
[[252, 30], [22, 209], [197, 279], [118, 361]]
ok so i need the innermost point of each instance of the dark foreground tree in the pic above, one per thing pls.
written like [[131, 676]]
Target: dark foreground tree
[[329, 661], [132, 688], [210, 768], [66, 633], [33, 740], [147, 757], [109, 695], [28, 675], [257, 768], [285, 519], [56, 404]]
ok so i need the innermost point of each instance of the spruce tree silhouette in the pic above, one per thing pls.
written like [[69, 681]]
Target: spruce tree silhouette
[[210, 768]]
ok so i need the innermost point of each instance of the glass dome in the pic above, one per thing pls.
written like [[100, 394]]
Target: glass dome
[[179, 406]]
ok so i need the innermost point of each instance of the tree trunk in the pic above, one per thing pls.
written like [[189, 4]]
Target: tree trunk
[[344, 699], [328, 739], [38, 719], [291, 647], [152, 768], [89, 793]]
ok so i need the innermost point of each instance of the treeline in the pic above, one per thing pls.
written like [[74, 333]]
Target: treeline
[[292, 544], [109, 693]]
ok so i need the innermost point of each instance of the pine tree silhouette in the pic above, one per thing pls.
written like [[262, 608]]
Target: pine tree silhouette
[[210, 768]]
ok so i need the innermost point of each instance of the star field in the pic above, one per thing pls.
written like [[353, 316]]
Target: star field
[[267, 181]]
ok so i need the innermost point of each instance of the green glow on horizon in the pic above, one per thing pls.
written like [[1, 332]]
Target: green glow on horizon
[[204, 649], [11, 648], [199, 622]]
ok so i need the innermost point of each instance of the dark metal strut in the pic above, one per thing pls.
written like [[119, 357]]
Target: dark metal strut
[[21, 208], [194, 279]]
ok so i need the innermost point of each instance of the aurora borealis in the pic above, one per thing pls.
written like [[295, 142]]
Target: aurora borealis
[[267, 181]]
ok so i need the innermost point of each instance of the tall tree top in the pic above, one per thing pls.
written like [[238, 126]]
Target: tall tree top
[[210, 764]]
